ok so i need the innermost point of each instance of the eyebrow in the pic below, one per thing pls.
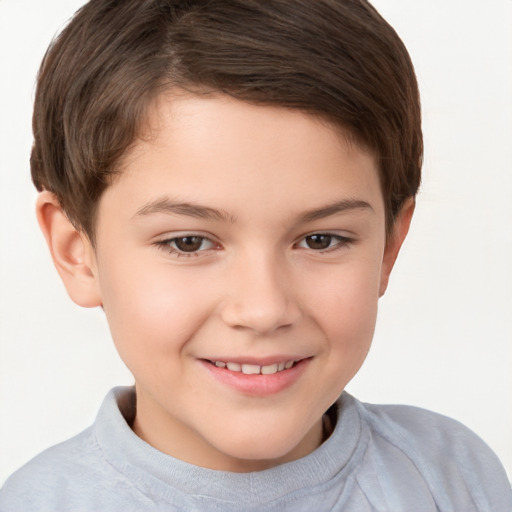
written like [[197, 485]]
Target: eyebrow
[[165, 205], [334, 208]]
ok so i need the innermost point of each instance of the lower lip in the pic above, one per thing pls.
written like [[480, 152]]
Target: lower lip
[[258, 385]]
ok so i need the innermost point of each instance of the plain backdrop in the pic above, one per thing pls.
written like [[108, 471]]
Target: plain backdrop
[[444, 333]]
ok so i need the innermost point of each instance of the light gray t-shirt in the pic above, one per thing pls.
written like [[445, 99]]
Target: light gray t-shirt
[[379, 458]]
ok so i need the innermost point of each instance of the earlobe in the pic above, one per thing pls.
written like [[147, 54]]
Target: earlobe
[[395, 241], [71, 251]]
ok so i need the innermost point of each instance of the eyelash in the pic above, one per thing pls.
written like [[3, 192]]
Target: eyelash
[[341, 242], [166, 245]]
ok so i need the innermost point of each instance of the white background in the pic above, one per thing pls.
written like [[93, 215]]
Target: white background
[[444, 335]]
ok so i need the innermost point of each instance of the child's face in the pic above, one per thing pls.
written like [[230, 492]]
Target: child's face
[[245, 235]]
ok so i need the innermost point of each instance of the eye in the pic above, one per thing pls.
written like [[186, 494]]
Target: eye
[[190, 243], [323, 241], [187, 245]]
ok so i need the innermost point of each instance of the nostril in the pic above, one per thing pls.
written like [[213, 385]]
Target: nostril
[[263, 317]]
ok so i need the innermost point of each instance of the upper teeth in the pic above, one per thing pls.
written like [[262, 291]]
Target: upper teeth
[[254, 369]]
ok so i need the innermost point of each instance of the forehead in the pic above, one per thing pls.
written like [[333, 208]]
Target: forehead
[[238, 156]]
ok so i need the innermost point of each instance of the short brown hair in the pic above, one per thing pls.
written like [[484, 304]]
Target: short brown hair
[[338, 59]]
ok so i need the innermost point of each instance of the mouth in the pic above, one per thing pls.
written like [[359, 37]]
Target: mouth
[[255, 369], [252, 379]]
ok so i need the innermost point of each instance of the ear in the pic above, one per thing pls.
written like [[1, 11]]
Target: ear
[[394, 242], [71, 251]]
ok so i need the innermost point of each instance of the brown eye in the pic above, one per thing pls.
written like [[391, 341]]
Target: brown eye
[[189, 243], [324, 242], [318, 241]]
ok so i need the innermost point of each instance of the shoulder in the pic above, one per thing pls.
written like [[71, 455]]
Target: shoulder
[[35, 483], [86, 472], [452, 460], [73, 475], [418, 428], [415, 423]]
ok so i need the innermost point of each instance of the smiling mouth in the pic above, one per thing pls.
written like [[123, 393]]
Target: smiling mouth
[[254, 369]]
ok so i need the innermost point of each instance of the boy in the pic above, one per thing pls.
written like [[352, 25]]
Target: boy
[[231, 182]]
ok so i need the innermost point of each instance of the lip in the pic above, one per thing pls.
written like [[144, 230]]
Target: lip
[[257, 385], [260, 361]]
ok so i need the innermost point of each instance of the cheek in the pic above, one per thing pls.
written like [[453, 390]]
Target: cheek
[[151, 310], [346, 306]]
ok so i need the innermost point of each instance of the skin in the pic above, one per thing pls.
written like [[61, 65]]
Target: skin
[[255, 287]]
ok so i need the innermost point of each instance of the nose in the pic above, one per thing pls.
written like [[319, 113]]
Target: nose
[[261, 297]]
